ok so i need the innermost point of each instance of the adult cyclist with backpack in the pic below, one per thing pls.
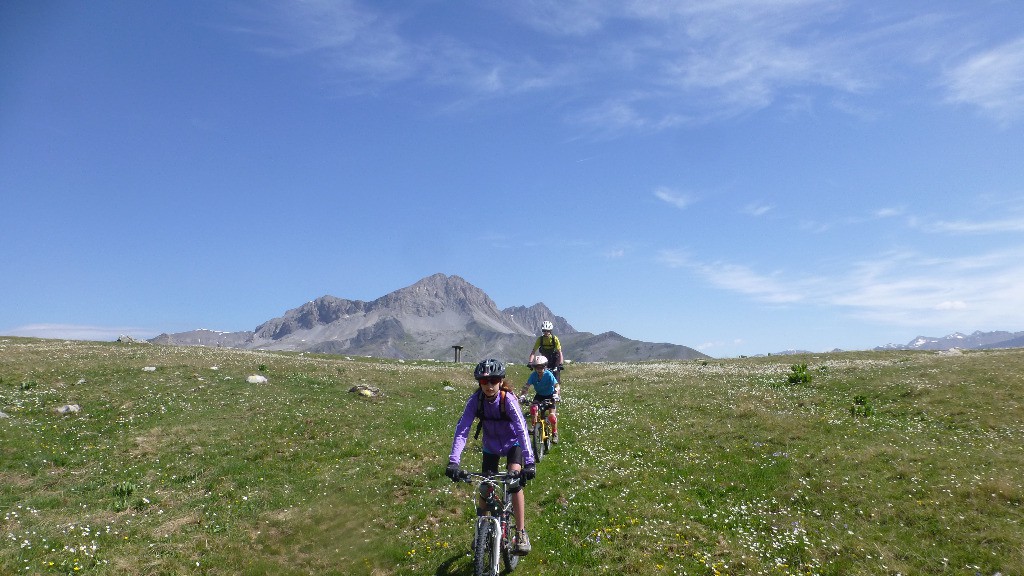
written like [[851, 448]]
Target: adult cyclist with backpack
[[505, 436], [548, 347]]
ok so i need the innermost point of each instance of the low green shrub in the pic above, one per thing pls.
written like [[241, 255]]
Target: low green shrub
[[861, 407], [799, 374]]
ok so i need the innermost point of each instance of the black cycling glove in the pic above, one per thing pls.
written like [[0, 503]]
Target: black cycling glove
[[452, 471], [530, 472]]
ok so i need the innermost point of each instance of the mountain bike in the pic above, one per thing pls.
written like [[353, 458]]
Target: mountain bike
[[540, 434], [495, 536]]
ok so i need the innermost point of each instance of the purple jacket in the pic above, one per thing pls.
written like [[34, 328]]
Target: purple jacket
[[500, 434]]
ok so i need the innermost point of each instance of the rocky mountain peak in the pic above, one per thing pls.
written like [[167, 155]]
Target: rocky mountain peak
[[424, 320], [530, 318], [324, 310], [437, 293], [444, 290]]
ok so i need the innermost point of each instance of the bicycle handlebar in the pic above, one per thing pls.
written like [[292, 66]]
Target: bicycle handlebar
[[512, 478]]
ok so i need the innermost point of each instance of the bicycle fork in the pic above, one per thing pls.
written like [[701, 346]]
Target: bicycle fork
[[482, 523]]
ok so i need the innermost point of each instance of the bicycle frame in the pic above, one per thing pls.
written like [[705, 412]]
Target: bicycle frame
[[499, 512], [540, 433]]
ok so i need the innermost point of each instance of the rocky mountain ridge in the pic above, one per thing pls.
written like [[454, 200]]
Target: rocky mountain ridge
[[425, 320]]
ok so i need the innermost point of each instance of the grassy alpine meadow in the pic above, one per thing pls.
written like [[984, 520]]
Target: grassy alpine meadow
[[866, 463]]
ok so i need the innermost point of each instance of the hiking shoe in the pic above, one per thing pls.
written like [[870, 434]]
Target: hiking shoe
[[554, 438], [523, 544]]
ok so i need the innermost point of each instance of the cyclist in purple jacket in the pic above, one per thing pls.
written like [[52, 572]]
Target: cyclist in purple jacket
[[505, 436]]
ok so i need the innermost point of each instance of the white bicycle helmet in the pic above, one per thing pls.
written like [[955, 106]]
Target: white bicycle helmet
[[540, 360], [547, 325]]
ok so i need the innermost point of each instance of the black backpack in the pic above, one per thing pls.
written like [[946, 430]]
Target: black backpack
[[547, 346], [480, 411]]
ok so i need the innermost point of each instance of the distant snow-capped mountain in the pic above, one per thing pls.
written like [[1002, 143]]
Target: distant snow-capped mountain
[[975, 341]]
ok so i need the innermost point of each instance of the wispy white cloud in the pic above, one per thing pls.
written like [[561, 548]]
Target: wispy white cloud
[[677, 199], [992, 80], [668, 64], [562, 17], [814, 226], [888, 212], [900, 289], [747, 62], [645, 66], [79, 332], [1011, 223], [712, 345], [674, 258], [774, 288], [975, 227], [365, 48], [620, 113], [757, 209], [916, 290], [343, 35]]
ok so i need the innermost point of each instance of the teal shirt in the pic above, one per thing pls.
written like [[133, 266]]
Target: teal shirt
[[544, 385]]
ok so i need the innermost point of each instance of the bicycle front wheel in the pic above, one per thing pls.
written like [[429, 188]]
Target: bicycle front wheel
[[538, 442], [508, 544], [484, 556]]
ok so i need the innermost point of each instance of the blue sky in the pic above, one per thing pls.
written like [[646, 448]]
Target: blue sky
[[740, 177]]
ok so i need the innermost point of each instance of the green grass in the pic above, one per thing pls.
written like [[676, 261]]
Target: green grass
[[689, 467]]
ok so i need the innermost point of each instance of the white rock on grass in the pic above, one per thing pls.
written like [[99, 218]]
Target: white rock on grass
[[149, 369], [368, 391], [69, 409], [256, 379]]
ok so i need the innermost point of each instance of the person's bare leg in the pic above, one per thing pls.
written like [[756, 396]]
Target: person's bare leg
[[519, 503]]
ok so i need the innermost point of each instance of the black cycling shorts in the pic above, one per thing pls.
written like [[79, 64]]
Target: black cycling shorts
[[514, 456], [538, 398], [491, 461]]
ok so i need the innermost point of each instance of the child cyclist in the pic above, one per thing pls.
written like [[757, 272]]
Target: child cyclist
[[505, 436], [546, 387]]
